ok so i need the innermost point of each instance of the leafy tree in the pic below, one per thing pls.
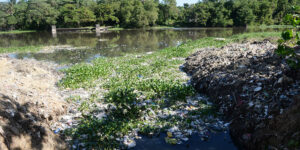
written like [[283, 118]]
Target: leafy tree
[[2, 19], [151, 8], [125, 14], [40, 14], [139, 18], [264, 11], [105, 13], [20, 14], [135, 13], [220, 16], [283, 7], [196, 14], [75, 14], [202, 14], [242, 13], [168, 12], [11, 20], [289, 45]]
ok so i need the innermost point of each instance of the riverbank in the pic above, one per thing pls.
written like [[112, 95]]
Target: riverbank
[[271, 27], [254, 88], [29, 104], [118, 99], [19, 49], [154, 27], [16, 31], [144, 94]]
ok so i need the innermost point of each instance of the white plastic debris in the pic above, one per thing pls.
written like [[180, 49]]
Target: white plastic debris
[[130, 143], [251, 104], [257, 89]]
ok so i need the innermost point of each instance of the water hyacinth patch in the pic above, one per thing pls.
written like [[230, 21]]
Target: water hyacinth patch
[[146, 95]]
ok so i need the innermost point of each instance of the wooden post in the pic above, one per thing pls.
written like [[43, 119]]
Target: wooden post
[[98, 29]]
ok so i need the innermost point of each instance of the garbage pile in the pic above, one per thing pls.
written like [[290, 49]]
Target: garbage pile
[[252, 87]]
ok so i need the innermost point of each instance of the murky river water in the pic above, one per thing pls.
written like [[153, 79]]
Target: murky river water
[[109, 44], [216, 141]]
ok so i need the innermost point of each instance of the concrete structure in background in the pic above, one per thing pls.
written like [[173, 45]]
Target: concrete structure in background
[[98, 30], [53, 30]]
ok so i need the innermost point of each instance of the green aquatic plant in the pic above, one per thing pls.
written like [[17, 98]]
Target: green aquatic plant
[[125, 101], [137, 88]]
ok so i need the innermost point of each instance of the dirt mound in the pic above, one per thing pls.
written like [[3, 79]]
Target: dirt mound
[[29, 104], [251, 86]]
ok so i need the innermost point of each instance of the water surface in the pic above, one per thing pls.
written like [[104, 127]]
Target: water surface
[[108, 44], [216, 141]]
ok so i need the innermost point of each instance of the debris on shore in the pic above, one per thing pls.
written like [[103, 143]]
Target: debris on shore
[[29, 104], [37, 114], [254, 89]]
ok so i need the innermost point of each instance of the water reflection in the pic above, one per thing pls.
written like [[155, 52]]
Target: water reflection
[[109, 44]]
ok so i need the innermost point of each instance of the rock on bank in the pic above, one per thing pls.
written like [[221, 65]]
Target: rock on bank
[[29, 104], [255, 90]]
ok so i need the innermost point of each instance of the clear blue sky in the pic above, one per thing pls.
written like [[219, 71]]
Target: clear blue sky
[[179, 2]]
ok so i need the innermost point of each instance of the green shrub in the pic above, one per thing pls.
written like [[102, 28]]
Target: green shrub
[[290, 40]]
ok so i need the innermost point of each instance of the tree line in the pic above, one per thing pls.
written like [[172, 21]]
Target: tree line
[[40, 14]]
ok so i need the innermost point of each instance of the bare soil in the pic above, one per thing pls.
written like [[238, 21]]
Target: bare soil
[[30, 103]]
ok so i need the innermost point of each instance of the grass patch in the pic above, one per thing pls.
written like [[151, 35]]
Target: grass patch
[[20, 49], [16, 31], [115, 29], [255, 36], [162, 27], [140, 87], [271, 26]]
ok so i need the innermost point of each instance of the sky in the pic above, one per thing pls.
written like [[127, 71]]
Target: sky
[[179, 2]]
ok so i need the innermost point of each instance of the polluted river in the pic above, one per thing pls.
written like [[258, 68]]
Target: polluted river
[[127, 89]]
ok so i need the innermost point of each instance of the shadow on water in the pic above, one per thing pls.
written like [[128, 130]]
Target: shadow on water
[[216, 141]]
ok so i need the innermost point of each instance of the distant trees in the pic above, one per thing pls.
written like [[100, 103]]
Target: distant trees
[[235, 12], [137, 13], [220, 16], [168, 12], [242, 13], [106, 14], [74, 15], [40, 14]]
